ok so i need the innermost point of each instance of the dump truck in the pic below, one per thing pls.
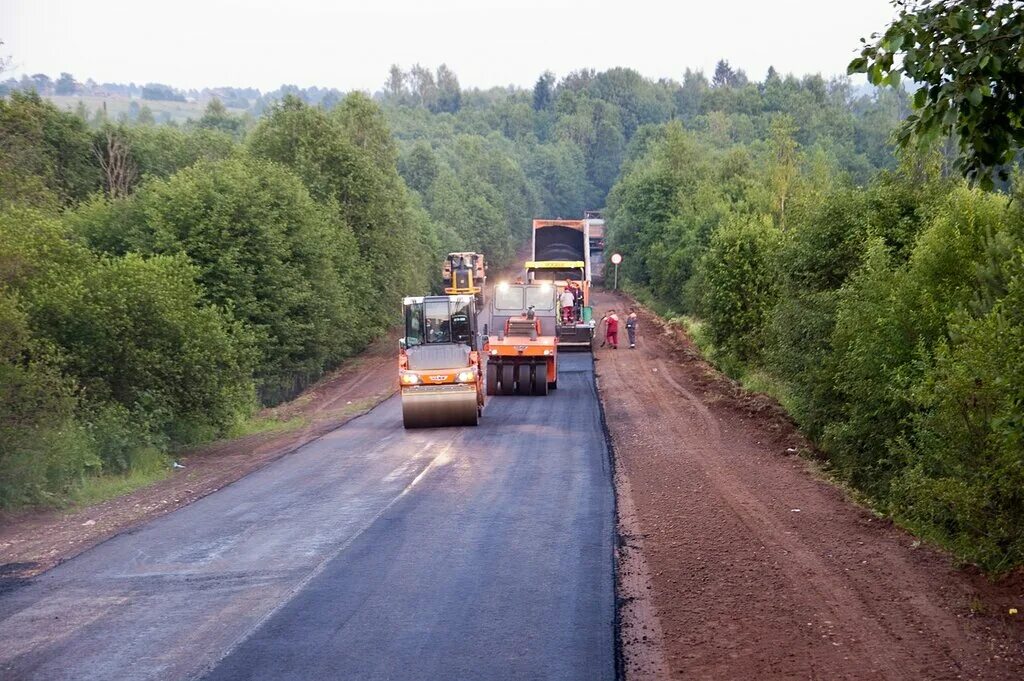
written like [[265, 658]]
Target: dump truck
[[440, 370], [465, 273], [561, 253], [521, 347]]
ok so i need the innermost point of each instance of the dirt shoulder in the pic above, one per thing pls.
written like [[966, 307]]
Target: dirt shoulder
[[34, 541], [737, 560]]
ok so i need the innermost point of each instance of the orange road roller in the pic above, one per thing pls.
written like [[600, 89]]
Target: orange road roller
[[440, 370]]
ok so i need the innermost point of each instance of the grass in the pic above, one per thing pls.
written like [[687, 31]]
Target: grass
[[752, 378], [151, 465], [267, 423], [98, 488]]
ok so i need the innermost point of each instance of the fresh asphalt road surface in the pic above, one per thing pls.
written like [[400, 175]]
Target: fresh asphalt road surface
[[371, 553]]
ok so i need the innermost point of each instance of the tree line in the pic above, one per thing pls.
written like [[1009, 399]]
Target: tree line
[[158, 283], [885, 309]]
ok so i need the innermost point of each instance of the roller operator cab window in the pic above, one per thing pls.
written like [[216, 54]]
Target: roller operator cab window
[[540, 297], [508, 298], [461, 329], [414, 324], [437, 321]]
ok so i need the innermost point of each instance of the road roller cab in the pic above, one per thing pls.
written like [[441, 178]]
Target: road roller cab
[[522, 351], [439, 363]]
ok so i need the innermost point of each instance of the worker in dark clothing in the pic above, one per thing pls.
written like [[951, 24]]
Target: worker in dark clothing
[[631, 328]]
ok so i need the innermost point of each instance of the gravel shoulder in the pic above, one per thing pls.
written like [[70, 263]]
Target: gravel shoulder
[[738, 559], [34, 541]]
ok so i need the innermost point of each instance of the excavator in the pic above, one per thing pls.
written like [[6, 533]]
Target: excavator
[[440, 368], [523, 357], [465, 273]]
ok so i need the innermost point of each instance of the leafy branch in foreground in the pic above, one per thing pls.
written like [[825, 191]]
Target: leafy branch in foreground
[[968, 58]]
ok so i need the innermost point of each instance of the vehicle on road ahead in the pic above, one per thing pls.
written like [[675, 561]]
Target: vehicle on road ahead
[[560, 254], [595, 234], [522, 359], [440, 371], [465, 273]]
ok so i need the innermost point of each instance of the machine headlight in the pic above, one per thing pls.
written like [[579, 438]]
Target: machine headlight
[[547, 352], [467, 376], [494, 351], [409, 378], [503, 286]]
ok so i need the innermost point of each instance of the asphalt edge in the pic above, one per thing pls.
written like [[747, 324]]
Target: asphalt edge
[[617, 541]]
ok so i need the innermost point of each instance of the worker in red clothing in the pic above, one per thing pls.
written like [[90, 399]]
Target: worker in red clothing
[[611, 332], [566, 300]]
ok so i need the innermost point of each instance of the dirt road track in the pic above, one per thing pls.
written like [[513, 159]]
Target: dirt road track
[[739, 562]]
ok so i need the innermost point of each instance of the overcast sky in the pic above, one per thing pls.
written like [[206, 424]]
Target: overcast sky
[[350, 45]]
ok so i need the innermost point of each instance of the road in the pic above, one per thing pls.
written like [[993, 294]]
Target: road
[[371, 553]]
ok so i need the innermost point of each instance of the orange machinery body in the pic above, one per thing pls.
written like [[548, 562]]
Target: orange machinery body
[[445, 376], [440, 366], [521, 361]]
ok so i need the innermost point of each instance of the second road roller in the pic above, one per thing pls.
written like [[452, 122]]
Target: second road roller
[[439, 364], [523, 357]]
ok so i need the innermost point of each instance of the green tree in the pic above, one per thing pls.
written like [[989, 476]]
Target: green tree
[[740, 284], [216, 117], [44, 150], [420, 168], [348, 158], [968, 58], [543, 91], [66, 85], [449, 94], [264, 251]]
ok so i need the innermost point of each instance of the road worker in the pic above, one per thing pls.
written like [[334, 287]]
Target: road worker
[[611, 331], [566, 301], [577, 299], [631, 328]]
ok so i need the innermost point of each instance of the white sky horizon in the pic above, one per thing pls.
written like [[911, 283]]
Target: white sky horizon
[[192, 44]]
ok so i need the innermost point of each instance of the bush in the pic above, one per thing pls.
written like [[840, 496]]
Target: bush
[[263, 250], [739, 285], [965, 487], [130, 330], [43, 451], [134, 331]]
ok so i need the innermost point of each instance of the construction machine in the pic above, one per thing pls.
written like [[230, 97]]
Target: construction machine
[[439, 366], [577, 330], [522, 351], [595, 233], [465, 273], [561, 255]]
